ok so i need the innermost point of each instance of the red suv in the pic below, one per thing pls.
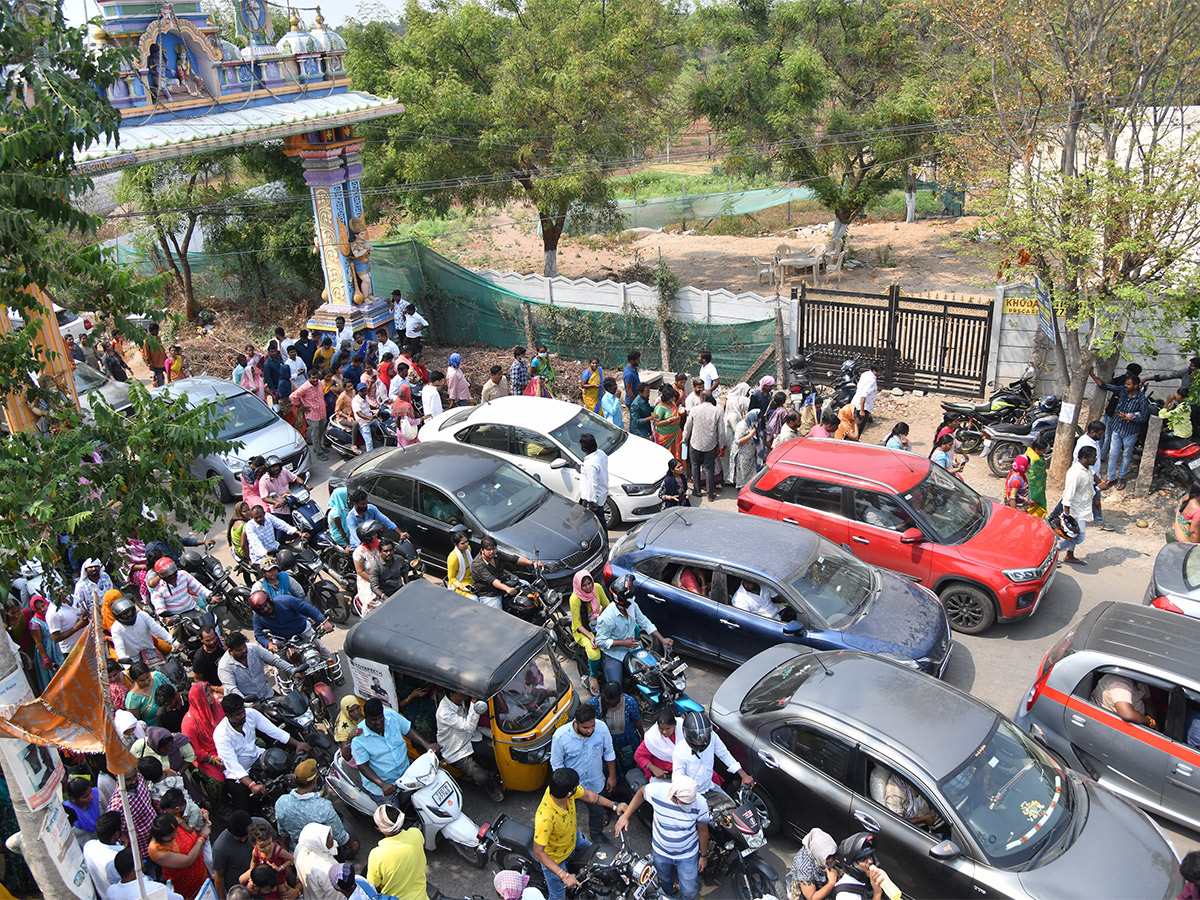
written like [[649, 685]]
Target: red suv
[[896, 510]]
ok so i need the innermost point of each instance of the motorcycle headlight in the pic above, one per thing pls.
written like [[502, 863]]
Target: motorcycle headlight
[[305, 719], [554, 565]]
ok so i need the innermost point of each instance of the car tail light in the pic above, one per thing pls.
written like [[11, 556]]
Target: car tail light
[[1165, 604], [1057, 652], [608, 572], [744, 504]]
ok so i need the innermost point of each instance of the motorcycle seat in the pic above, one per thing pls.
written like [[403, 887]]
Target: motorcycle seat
[[1016, 430], [968, 408], [1173, 442], [516, 834]]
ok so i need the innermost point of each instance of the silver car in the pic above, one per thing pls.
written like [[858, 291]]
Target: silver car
[[1175, 583], [250, 422], [91, 384], [963, 803], [1157, 654]]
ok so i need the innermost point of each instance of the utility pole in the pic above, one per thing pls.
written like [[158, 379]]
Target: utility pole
[[34, 849]]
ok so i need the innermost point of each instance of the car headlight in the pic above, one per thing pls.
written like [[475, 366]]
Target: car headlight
[[639, 490], [235, 462], [1020, 575]]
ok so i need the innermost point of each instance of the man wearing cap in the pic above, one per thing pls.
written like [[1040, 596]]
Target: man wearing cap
[[397, 864], [304, 805], [93, 581], [679, 834], [274, 582], [380, 750]]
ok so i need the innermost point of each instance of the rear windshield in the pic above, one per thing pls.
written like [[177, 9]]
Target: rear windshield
[[777, 688]]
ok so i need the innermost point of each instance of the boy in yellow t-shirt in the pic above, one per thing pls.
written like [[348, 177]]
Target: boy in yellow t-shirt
[[556, 837]]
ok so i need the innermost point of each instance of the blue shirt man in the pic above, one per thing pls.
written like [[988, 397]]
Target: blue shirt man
[[272, 368], [289, 618], [633, 381], [586, 746], [352, 372], [365, 512], [610, 408], [617, 632], [380, 751]]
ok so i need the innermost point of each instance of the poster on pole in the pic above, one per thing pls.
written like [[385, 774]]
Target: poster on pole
[[372, 679], [37, 771], [1045, 311], [66, 853]]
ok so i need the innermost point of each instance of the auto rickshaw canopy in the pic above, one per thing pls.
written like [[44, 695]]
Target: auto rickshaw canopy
[[437, 635]]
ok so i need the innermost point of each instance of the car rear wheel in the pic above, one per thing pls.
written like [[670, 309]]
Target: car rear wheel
[[220, 488], [970, 610]]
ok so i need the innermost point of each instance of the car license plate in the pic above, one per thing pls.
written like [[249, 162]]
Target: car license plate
[[1194, 464], [443, 793]]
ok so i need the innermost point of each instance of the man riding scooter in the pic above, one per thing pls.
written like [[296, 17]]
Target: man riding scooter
[[285, 616], [695, 754], [176, 592], [274, 485]]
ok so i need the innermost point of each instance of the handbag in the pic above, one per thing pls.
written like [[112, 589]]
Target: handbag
[[408, 429]]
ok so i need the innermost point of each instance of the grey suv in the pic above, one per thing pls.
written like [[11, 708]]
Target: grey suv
[[1155, 652], [963, 802]]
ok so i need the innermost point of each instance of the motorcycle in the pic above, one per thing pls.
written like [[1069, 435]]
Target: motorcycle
[[845, 388], [292, 713], [306, 567], [655, 678], [735, 837], [1009, 404], [383, 434], [1178, 459], [429, 792], [801, 387], [188, 627], [211, 573], [319, 675], [1004, 442], [171, 668], [533, 600], [413, 570]]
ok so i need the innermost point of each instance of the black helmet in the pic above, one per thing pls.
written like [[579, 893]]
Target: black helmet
[[275, 762], [1050, 404], [191, 560], [622, 590], [368, 531], [697, 730], [273, 460], [124, 611], [285, 559], [854, 850]]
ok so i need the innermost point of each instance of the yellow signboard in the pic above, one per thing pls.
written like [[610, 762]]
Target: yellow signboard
[[1020, 306]]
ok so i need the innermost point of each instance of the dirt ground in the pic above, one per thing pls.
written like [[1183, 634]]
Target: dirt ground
[[926, 256]]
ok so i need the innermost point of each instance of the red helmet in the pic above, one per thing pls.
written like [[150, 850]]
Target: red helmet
[[165, 567], [259, 601]]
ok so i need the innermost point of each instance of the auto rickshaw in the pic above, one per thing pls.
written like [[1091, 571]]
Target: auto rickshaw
[[427, 632]]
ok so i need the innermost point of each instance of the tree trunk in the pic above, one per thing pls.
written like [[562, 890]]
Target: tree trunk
[[664, 347], [189, 293], [910, 194], [1079, 363], [552, 229], [35, 851], [840, 225]]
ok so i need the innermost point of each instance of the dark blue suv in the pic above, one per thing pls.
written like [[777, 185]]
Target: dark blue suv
[[727, 586]]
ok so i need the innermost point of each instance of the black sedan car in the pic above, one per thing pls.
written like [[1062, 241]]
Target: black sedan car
[[963, 802], [727, 586], [428, 489]]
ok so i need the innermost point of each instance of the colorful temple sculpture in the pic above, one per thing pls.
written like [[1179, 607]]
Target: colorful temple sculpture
[[187, 90]]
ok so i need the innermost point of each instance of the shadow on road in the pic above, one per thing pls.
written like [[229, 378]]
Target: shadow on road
[[961, 670], [1111, 556], [1057, 609]]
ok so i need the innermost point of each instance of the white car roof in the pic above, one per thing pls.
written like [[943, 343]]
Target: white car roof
[[540, 413]]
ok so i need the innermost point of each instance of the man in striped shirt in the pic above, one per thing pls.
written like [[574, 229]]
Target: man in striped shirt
[[680, 833]]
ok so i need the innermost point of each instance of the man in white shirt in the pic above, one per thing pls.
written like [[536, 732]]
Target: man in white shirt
[[282, 340], [457, 731], [694, 755], [754, 598], [342, 332], [431, 398], [708, 372], [386, 344], [865, 394], [1078, 491], [99, 853], [235, 737], [594, 479], [414, 326], [1095, 438], [364, 416], [296, 366], [66, 622], [134, 631], [127, 887], [262, 533]]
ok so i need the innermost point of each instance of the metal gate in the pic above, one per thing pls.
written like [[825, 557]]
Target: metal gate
[[920, 342]]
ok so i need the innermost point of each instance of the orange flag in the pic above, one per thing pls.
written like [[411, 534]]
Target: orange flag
[[74, 712]]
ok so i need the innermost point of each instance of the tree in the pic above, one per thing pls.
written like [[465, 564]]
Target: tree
[[174, 195], [532, 99], [52, 488], [832, 90], [1092, 177]]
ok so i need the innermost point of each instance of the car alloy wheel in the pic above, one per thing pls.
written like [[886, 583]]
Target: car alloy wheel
[[969, 609]]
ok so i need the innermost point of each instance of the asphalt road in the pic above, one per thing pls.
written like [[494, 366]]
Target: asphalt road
[[997, 667]]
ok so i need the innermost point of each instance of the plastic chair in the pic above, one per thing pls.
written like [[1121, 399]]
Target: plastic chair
[[765, 267]]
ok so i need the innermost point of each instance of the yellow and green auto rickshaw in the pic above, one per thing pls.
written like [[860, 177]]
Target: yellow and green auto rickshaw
[[441, 638]]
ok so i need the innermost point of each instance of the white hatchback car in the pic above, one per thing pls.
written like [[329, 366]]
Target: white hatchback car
[[542, 436]]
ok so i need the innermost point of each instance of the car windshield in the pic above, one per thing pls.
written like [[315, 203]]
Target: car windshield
[[1191, 569], [951, 509], [246, 414], [501, 497], [87, 379], [526, 700], [777, 688], [608, 436], [834, 583], [1011, 796]]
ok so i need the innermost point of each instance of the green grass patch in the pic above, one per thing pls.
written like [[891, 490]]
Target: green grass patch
[[890, 207]]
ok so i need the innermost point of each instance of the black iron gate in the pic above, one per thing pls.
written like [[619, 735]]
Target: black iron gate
[[920, 342]]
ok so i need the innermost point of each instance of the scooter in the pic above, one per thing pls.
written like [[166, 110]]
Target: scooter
[[654, 679], [432, 795], [383, 434]]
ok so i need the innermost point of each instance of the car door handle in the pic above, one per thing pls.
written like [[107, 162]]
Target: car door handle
[[859, 540], [1183, 769], [866, 821], [768, 759], [1078, 720], [729, 623], [790, 522], [421, 527]]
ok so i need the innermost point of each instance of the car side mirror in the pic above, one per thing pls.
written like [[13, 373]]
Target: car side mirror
[[793, 629], [912, 536], [559, 463], [945, 851]]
